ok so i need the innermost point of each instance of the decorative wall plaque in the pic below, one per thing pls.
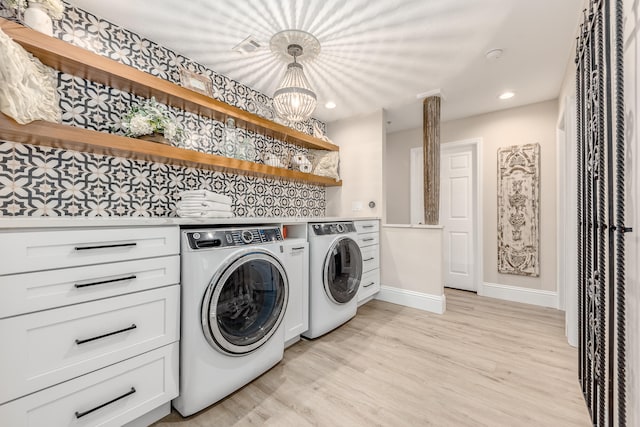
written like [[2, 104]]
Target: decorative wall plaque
[[519, 210], [196, 82]]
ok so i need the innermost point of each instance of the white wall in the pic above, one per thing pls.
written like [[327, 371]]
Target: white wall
[[515, 126], [632, 114], [411, 260], [361, 141], [397, 173]]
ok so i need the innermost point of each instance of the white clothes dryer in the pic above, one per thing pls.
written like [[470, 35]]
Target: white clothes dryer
[[234, 297], [335, 270]]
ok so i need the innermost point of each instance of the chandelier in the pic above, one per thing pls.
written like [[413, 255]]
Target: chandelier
[[294, 100]]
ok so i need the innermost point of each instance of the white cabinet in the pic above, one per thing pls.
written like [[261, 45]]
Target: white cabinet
[[93, 321], [369, 243], [296, 319], [111, 396]]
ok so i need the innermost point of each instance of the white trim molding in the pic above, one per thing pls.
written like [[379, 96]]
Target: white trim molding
[[427, 302], [517, 294]]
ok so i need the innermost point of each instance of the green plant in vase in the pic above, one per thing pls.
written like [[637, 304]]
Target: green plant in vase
[[152, 118]]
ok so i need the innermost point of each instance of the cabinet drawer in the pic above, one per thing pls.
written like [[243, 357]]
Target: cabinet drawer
[[368, 239], [141, 383], [22, 252], [29, 292], [367, 226], [369, 285], [370, 258], [52, 346]]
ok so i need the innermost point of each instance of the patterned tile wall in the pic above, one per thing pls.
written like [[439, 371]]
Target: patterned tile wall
[[42, 181]]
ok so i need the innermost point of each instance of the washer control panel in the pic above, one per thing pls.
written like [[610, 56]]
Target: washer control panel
[[333, 228], [214, 238]]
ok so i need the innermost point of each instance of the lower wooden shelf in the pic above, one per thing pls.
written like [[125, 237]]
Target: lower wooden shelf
[[90, 141]]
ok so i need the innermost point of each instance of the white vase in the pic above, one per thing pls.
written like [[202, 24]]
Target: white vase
[[36, 17]]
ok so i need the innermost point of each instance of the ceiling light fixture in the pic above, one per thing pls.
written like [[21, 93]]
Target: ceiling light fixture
[[506, 95], [294, 100], [494, 54], [330, 105]]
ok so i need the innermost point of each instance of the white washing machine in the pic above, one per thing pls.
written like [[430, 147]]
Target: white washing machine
[[335, 270], [234, 296]]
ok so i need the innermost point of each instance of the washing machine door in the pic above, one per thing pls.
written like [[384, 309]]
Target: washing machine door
[[245, 302], [342, 270]]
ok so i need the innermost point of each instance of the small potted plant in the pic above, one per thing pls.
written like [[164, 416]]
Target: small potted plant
[[152, 121]]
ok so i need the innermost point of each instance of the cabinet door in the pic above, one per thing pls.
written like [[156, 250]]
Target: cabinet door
[[50, 346], [108, 397], [25, 251], [296, 319], [369, 286]]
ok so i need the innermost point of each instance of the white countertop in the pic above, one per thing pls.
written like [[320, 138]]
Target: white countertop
[[412, 226], [63, 222]]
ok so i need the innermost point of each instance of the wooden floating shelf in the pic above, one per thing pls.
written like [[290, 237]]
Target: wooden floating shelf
[[82, 63], [90, 141], [79, 62]]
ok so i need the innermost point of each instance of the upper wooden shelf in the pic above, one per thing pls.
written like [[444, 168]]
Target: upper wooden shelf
[[85, 140], [88, 65]]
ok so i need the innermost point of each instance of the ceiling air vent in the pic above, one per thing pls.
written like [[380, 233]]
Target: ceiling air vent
[[248, 45]]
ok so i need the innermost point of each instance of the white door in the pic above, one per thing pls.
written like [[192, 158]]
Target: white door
[[296, 318], [460, 209], [457, 215]]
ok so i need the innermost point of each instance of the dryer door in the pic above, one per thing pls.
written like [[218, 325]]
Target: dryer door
[[342, 270], [245, 302]]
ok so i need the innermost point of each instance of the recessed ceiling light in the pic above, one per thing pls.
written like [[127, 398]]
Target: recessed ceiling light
[[507, 95], [330, 105], [494, 54]]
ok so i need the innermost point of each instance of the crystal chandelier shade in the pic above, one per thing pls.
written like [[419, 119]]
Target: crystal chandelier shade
[[294, 100]]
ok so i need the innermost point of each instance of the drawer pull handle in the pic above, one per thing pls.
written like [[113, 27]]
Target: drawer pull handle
[[367, 226], [102, 282], [130, 328], [116, 245], [368, 259], [299, 248], [82, 414], [368, 240], [370, 284]]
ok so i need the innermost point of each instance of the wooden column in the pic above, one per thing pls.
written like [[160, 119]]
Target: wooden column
[[431, 155]]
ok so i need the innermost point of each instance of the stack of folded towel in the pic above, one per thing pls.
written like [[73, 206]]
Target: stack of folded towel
[[204, 204]]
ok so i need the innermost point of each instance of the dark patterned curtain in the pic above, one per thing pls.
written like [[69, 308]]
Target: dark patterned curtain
[[599, 87]]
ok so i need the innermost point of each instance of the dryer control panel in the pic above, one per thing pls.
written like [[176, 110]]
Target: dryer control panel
[[219, 238], [333, 228]]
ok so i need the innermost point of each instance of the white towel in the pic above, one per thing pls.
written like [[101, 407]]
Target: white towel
[[210, 196], [203, 205], [204, 214]]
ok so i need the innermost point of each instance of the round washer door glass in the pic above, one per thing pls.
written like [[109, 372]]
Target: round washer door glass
[[245, 304], [343, 270]]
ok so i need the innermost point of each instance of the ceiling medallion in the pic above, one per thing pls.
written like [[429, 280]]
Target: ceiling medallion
[[294, 100]]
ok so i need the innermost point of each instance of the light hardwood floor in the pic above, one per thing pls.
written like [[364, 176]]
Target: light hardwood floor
[[485, 362]]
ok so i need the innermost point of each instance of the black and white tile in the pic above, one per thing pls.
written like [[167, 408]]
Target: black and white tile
[[43, 181]]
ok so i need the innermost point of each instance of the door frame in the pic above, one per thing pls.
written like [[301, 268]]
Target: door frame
[[475, 144], [416, 186], [476, 147], [566, 219]]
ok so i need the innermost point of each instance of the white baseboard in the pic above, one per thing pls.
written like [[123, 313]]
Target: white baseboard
[[427, 302], [517, 294]]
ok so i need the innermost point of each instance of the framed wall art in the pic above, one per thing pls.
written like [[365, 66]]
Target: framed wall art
[[519, 210], [196, 82]]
